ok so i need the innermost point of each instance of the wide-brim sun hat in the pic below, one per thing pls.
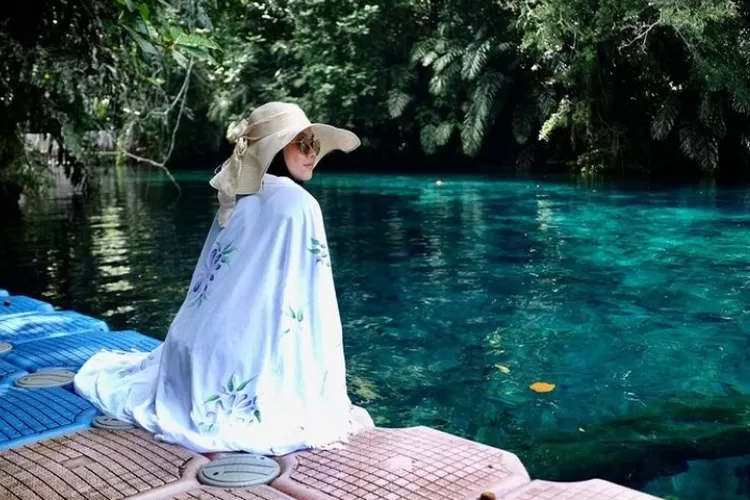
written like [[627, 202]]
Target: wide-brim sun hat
[[259, 138]]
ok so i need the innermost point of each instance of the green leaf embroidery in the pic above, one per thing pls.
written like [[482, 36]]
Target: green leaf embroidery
[[286, 331], [300, 316], [230, 384], [244, 384], [212, 399], [319, 249], [257, 415]]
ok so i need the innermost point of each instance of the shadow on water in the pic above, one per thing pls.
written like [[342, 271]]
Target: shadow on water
[[456, 297]]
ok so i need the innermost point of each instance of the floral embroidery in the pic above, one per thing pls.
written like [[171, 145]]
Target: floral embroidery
[[320, 250], [231, 406], [297, 318], [216, 259]]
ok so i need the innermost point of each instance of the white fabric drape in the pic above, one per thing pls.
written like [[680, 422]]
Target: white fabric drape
[[254, 360]]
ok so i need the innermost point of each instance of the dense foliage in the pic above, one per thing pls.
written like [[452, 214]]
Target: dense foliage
[[627, 85]]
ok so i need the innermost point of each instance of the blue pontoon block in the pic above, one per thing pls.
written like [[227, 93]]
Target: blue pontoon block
[[31, 415], [34, 326], [20, 304], [3, 293], [72, 351], [9, 372]]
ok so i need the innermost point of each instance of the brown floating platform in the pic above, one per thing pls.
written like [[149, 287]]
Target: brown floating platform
[[97, 465], [376, 464], [208, 493], [392, 464]]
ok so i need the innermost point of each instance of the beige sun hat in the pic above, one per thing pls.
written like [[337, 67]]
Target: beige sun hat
[[258, 139]]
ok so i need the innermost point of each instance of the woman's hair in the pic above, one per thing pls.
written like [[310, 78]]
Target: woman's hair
[[278, 167]]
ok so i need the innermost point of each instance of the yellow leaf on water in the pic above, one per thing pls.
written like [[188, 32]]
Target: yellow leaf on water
[[542, 387], [503, 368]]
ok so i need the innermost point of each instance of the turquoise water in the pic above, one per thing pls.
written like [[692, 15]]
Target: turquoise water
[[455, 298]]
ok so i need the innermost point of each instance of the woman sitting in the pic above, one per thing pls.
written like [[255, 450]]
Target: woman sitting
[[254, 359]]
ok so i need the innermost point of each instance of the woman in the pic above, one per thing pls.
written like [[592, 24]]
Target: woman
[[253, 361]]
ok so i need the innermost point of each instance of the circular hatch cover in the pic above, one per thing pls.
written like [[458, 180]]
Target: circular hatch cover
[[239, 471], [45, 379], [110, 424]]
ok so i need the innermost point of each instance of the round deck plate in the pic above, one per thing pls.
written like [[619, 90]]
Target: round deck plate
[[110, 424], [46, 379], [5, 347], [239, 471]]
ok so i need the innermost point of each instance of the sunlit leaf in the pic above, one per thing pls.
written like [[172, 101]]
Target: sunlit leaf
[[199, 54], [196, 41], [180, 59], [542, 387], [143, 9]]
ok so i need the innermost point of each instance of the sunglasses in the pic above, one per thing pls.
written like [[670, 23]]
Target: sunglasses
[[305, 145]]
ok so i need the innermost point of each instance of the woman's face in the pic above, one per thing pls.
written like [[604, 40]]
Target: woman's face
[[300, 155]]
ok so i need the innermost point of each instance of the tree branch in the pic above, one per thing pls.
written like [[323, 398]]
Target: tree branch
[[181, 97], [642, 36], [141, 159]]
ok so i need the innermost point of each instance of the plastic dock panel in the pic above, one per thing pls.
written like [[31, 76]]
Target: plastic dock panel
[[211, 493], [20, 304], [396, 464], [98, 465], [8, 372], [35, 326], [27, 415], [593, 489], [72, 351]]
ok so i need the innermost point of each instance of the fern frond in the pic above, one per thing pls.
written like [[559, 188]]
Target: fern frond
[[441, 80], [422, 48], [700, 147], [443, 133], [711, 114], [546, 102], [397, 102], [443, 62], [741, 100], [474, 59], [504, 47], [478, 117], [664, 119]]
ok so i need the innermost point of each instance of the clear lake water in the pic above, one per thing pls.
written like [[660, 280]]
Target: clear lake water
[[456, 298]]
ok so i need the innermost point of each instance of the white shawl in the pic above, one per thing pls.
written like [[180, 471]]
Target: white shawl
[[254, 360]]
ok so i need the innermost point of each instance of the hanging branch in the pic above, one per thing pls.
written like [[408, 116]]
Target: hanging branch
[[181, 97]]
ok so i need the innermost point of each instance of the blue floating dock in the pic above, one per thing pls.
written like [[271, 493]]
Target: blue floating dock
[[27, 415], [8, 372], [34, 326], [3, 293], [20, 304], [72, 351]]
